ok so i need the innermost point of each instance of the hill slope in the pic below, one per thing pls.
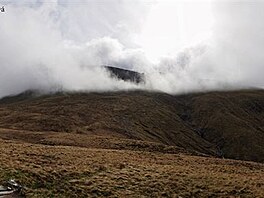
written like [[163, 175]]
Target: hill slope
[[228, 124], [70, 171], [232, 120]]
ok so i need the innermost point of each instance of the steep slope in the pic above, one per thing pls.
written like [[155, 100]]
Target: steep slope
[[234, 121], [133, 115], [228, 124]]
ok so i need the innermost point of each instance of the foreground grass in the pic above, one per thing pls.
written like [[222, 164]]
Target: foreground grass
[[67, 171]]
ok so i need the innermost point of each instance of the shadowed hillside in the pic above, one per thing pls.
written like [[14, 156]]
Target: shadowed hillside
[[228, 124], [133, 144], [234, 121], [125, 74]]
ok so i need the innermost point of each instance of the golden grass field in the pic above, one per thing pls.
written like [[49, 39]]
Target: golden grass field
[[72, 171]]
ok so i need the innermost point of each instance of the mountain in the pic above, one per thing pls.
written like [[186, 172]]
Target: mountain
[[125, 74], [223, 124], [133, 144]]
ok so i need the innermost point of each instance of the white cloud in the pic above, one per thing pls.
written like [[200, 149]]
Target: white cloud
[[47, 44]]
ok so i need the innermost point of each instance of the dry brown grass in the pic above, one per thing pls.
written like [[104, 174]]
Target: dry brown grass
[[228, 121], [133, 144], [101, 140], [67, 171]]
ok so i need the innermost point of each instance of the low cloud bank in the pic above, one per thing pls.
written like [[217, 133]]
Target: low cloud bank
[[63, 44]]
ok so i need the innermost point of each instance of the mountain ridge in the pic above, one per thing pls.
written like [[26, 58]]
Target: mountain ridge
[[224, 124]]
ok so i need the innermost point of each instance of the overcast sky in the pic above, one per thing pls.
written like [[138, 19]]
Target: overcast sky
[[181, 46]]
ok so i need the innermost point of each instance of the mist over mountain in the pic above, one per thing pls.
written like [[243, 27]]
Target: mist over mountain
[[131, 98], [126, 75], [62, 44]]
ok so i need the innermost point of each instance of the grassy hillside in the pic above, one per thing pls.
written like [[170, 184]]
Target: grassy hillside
[[133, 115], [133, 144], [70, 171], [234, 121], [228, 124]]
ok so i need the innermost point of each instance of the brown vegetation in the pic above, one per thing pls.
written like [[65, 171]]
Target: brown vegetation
[[229, 124], [134, 144], [63, 171]]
